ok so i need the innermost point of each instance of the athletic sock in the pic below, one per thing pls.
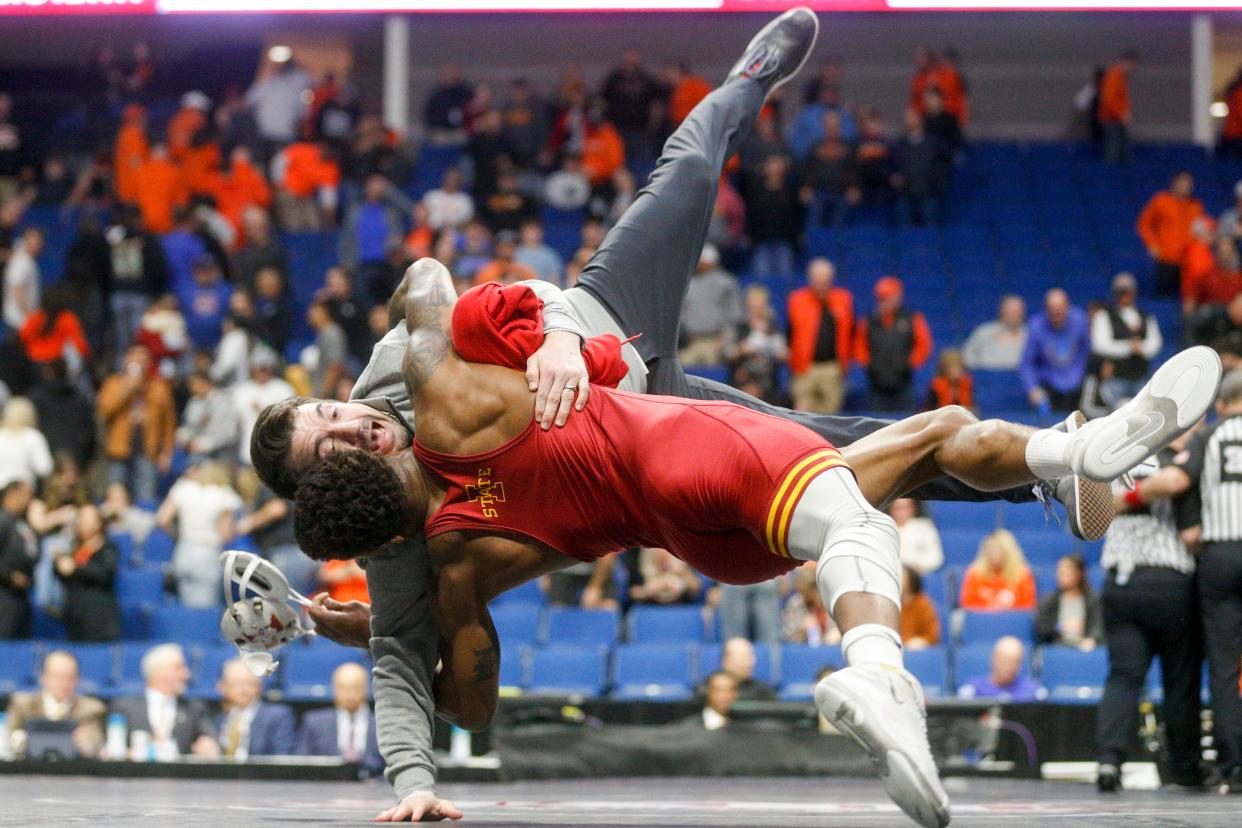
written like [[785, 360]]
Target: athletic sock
[[872, 644], [1045, 454]]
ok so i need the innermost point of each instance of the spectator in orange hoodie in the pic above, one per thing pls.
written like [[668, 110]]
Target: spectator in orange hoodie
[[1113, 109], [187, 123], [308, 178], [131, 152], [160, 190], [687, 89], [952, 385], [891, 343], [603, 151], [55, 332], [925, 65], [344, 581], [200, 166], [1198, 261], [1219, 285], [948, 78], [1164, 226], [999, 579], [244, 186], [821, 324]]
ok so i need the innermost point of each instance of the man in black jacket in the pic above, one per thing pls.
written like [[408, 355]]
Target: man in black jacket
[[176, 725], [19, 552]]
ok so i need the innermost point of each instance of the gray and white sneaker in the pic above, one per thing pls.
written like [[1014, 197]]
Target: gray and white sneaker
[[779, 51], [1089, 507], [1173, 400], [881, 709]]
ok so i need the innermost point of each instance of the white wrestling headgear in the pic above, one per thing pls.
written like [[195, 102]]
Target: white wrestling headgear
[[264, 619]]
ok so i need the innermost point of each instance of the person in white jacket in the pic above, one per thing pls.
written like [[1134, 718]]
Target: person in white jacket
[[24, 453], [920, 540]]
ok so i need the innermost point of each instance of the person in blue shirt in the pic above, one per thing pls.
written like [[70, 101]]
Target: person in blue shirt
[[1058, 344], [204, 304], [183, 248], [1006, 681], [808, 130]]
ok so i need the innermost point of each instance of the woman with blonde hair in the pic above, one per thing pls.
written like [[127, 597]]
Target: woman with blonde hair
[[201, 509], [999, 579], [24, 453]]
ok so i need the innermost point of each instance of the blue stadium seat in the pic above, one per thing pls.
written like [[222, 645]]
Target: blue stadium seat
[[569, 669], [124, 546], [45, 627], [1045, 546], [766, 662], [977, 518], [1072, 675], [527, 593], [650, 623], [931, 668], [799, 665], [186, 625], [716, 373], [569, 625], [514, 665], [96, 665], [140, 587], [961, 545], [988, 626], [516, 624], [128, 680], [974, 660], [158, 548], [135, 623], [205, 666], [306, 670], [653, 672], [1028, 517], [17, 666]]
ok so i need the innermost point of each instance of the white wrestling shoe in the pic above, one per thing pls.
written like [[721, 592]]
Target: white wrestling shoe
[[1172, 401], [881, 709]]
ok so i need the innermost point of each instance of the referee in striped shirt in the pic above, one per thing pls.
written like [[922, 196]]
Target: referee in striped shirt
[[1212, 463]]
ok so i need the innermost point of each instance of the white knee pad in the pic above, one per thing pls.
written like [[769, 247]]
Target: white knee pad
[[854, 545]]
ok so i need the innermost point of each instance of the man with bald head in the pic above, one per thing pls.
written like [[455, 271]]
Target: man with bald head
[[1058, 344], [249, 726], [58, 700], [1006, 680], [821, 325], [737, 658], [347, 729], [176, 725]]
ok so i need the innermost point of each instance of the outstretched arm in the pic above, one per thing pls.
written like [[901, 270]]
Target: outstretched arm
[[429, 302], [468, 685]]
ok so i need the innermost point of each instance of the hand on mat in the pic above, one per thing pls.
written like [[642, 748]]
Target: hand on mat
[[558, 374], [345, 623], [420, 807]]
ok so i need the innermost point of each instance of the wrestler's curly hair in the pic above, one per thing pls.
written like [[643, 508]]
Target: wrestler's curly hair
[[348, 505]]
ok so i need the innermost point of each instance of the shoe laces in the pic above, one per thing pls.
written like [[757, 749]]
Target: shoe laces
[[1045, 494]]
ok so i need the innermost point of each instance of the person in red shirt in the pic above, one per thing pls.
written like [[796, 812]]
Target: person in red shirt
[[1113, 109], [1165, 225], [821, 325], [55, 332], [130, 153], [999, 579], [687, 89], [1230, 145], [1198, 261], [891, 343], [1221, 283]]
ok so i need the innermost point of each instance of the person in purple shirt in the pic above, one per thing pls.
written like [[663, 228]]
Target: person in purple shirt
[[1006, 681], [204, 304], [1058, 344], [182, 250]]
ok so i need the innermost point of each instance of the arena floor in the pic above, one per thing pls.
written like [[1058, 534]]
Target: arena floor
[[640, 802]]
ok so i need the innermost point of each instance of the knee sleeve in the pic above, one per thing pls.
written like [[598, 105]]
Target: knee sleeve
[[855, 547]]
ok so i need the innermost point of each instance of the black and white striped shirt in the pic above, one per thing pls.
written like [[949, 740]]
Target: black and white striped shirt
[[1150, 537], [1213, 459]]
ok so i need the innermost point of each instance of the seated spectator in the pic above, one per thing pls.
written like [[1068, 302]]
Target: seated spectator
[[1198, 260], [205, 304], [176, 725], [1127, 337], [1218, 286], [804, 619], [586, 584], [507, 208], [892, 343], [139, 422], [209, 423], [737, 658], [24, 452], [821, 334], [710, 311], [532, 253], [603, 151], [774, 220], [920, 540], [1071, 615], [922, 169], [199, 512], [1055, 359], [503, 268], [998, 345], [758, 349], [88, 571], [57, 700], [344, 581], [665, 579], [124, 517], [54, 332], [249, 726], [999, 578], [831, 177], [65, 414], [920, 625], [951, 385], [1220, 327], [448, 207], [722, 691], [473, 251], [331, 350], [1164, 226], [347, 729], [1005, 682], [19, 552]]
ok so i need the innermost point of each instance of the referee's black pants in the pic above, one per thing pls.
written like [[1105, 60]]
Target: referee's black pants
[[1155, 613], [1220, 592]]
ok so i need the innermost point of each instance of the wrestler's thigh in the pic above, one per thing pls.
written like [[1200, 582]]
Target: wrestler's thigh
[[897, 458]]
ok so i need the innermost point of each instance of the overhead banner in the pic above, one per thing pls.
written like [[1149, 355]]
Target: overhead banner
[[30, 8]]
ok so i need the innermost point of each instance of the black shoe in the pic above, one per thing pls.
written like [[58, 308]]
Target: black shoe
[[1233, 782], [1108, 779], [777, 53]]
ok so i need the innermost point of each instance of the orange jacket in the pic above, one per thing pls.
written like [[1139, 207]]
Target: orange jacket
[[131, 152], [182, 128], [348, 589], [950, 83], [1198, 262], [686, 96], [45, 347], [603, 153], [922, 79], [918, 354], [806, 309], [306, 170], [1114, 106], [160, 190], [942, 392], [1164, 225], [243, 187], [200, 169], [919, 620], [993, 592], [498, 271]]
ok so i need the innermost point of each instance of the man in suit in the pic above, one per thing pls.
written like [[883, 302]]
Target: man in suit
[[57, 699], [176, 725], [250, 726], [347, 729]]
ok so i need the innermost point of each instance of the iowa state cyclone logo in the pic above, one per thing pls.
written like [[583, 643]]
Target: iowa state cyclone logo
[[486, 492]]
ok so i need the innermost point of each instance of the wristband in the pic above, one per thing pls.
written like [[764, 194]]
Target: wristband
[[1134, 497]]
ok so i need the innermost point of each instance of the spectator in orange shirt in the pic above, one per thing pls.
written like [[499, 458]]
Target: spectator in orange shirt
[[344, 581], [1219, 285], [686, 90], [55, 332], [920, 626], [948, 78], [1113, 108], [131, 152], [1230, 145], [999, 579], [200, 166], [160, 190], [503, 268], [952, 385], [891, 343], [1164, 226], [603, 151], [187, 123], [1198, 261], [308, 177], [821, 325], [241, 188]]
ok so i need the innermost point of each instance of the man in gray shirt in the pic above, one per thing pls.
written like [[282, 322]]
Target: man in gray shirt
[[711, 311], [332, 346]]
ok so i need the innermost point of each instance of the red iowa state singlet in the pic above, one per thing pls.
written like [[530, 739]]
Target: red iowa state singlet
[[714, 483]]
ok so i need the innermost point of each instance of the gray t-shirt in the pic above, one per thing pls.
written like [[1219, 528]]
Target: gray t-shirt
[[333, 348]]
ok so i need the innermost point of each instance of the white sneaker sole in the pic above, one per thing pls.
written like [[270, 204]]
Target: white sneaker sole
[[922, 798], [1179, 393]]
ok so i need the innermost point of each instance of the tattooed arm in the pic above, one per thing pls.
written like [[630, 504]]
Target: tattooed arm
[[429, 300]]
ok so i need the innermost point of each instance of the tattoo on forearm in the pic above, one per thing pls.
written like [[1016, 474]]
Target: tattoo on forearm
[[427, 349], [487, 659], [429, 302]]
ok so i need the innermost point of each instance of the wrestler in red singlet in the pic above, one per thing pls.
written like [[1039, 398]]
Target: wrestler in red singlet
[[714, 483]]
